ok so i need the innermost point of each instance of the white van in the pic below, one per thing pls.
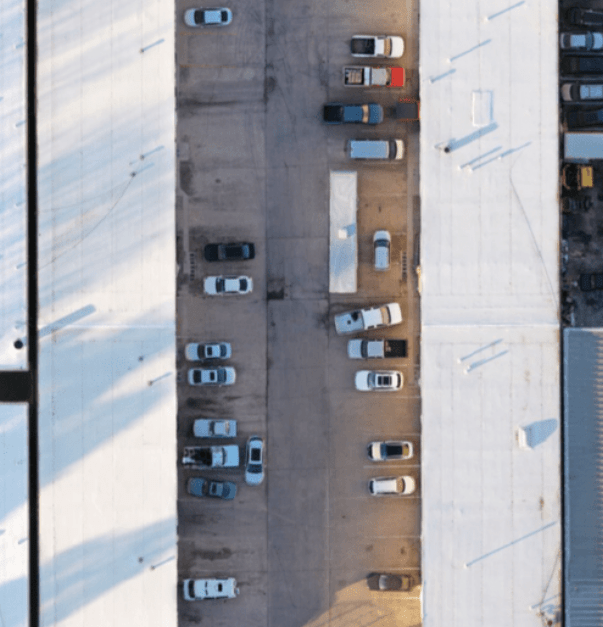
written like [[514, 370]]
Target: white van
[[376, 149]]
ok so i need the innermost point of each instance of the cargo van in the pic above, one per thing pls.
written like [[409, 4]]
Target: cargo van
[[376, 149], [582, 65]]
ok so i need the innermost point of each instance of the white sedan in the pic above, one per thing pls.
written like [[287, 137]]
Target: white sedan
[[254, 467], [210, 350], [379, 380], [208, 17], [218, 285]]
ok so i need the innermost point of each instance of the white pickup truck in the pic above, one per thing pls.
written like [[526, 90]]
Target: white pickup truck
[[211, 456], [366, 319], [390, 46], [368, 76], [376, 349]]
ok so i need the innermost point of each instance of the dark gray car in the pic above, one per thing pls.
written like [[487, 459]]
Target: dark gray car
[[197, 486]]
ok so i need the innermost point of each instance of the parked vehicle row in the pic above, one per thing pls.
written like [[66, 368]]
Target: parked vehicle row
[[218, 457], [584, 62]]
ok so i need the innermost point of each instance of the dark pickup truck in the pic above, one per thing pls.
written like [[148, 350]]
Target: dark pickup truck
[[336, 113], [235, 251], [584, 17], [581, 65], [581, 118]]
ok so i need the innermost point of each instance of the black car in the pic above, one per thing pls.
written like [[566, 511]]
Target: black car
[[197, 486], [336, 113], [580, 118], [591, 281], [235, 251], [584, 17]]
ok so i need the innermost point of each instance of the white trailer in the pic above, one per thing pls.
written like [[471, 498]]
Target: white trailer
[[583, 147]]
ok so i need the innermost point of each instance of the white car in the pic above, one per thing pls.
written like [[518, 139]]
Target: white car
[[212, 376], [381, 245], [585, 42], [378, 380], [200, 589], [388, 46], [209, 428], [254, 466], [208, 17], [227, 285], [396, 486], [215, 350], [390, 450]]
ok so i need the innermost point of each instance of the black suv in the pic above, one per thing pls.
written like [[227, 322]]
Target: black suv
[[235, 251]]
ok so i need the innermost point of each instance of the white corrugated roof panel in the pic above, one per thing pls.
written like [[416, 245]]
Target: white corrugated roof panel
[[107, 376], [14, 516], [490, 331], [13, 193]]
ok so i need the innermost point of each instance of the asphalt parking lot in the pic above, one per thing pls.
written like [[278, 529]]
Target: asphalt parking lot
[[254, 162]]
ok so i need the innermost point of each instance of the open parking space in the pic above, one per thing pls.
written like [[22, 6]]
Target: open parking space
[[254, 162]]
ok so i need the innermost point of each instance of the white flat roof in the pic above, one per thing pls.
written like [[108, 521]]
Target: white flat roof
[[343, 237], [490, 330], [107, 411], [13, 216], [14, 516]]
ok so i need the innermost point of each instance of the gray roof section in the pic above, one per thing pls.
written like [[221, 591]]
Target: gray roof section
[[583, 450]]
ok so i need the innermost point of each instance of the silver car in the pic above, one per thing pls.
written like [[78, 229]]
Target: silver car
[[208, 17], [254, 466]]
